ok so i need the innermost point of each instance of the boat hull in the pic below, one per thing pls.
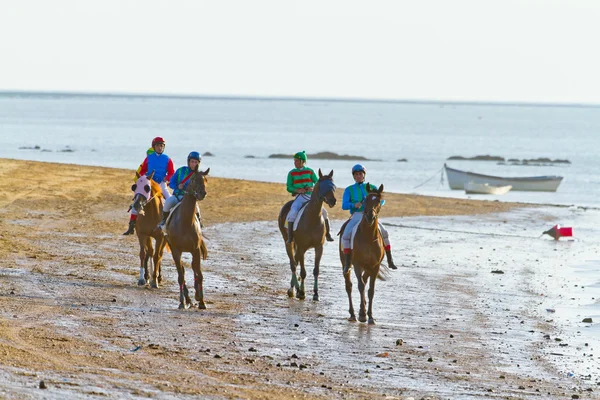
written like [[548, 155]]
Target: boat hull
[[484, 188], [457, 180]]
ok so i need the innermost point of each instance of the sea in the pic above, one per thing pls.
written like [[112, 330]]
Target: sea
[[241, 134]]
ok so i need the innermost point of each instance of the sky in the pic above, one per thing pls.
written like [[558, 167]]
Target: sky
[[453, 50]]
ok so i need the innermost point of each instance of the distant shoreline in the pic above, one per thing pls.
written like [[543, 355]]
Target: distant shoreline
[[233, 97]]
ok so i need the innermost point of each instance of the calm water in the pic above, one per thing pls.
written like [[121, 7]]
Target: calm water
[[115, 131]]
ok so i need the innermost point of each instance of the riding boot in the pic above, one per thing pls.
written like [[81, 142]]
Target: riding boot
[[328, 229], [290, 233], [390, 260], [131, 229], [163, 221], [347, 262]]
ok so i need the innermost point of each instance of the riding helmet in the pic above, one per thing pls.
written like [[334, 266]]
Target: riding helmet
[[359, 168], [158, 140], [301, 155], [194, 155]]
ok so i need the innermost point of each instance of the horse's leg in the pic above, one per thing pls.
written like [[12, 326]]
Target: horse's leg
[[160, 247], [142, 280], [300, 258], [348, 280], [289, 248], [180, 278], [149, 257], [372, 280], [198, 278], [318, 254], [362, 315]]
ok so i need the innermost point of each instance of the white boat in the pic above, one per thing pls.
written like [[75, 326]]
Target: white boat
[[457, 180], [484, 188]]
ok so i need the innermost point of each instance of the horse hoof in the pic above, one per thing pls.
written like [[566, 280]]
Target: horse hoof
[[316, 297], [371, 321], [202, 306], [352, 318], [290, 292], [362, 318], [300, 296], [142, 282], [182, 306], [160, 279], [153, 285]]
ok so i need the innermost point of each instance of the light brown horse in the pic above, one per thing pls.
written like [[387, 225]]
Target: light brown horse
[[149, 213], [367, 254], [310, 233], [184, 235]]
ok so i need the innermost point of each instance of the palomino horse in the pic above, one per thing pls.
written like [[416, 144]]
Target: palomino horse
[[367, 254], [147, 202], [184, 235], [310, 233]]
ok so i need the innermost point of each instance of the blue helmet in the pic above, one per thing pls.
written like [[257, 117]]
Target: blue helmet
[[359, 168], [194, 155]]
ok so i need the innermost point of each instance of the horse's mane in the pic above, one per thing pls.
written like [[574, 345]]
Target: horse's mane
[[156, 191]]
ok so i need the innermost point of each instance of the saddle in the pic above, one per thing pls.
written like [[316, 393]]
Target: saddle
[[354, 230], [298, 216]]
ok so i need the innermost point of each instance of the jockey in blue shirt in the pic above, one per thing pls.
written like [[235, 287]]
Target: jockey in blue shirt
[[353, 201]]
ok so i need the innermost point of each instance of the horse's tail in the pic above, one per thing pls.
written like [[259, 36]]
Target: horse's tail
[[384, 272], [203, 250]]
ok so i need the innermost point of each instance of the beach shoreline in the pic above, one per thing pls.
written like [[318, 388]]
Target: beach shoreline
[[73, 316]]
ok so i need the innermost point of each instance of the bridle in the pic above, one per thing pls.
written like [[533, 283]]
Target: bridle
[[371, 215], [324, 189]]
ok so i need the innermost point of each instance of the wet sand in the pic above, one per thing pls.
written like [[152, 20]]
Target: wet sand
[[72, 315]]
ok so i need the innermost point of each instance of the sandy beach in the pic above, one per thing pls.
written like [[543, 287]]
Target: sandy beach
[[465, 315]]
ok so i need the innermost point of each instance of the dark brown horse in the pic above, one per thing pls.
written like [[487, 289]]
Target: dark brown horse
[[149, 210], [367, 254], [310, 233], [184, 235]]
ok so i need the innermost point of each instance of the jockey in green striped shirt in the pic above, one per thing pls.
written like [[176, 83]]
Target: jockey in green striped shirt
[[300, 183]]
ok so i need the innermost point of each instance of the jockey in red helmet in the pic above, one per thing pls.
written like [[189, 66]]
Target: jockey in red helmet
[[161, 164], [353, 201]]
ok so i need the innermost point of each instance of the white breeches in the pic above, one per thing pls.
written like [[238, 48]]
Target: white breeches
[[299, 201], [172, 201], [165, 190], [355, 219]]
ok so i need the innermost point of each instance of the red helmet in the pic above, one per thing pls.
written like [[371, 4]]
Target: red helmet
[[157, 140]]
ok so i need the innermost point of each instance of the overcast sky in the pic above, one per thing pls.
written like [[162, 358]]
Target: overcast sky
[[506, 50]]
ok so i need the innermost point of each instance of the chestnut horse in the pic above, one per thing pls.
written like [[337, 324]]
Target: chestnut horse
[[367, 254], [147, 202], [184, 235], [309, 233]]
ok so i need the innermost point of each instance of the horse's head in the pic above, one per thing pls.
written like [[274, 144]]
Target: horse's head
[[373, 203], [326, 188], [141, 192], [197, 185]]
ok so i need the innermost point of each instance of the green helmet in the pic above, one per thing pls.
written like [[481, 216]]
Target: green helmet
[[301, 155]]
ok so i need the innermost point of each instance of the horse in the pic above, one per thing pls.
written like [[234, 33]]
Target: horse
[[147, 202], [309, 233], [367, 254], [184, 235]]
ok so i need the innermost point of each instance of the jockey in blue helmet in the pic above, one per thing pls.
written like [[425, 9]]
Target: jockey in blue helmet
[[178, 183], [353, 201]]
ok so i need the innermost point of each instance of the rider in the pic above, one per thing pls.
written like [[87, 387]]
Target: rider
[[300, 182], [162, 166], [354, 196], [178, 183]]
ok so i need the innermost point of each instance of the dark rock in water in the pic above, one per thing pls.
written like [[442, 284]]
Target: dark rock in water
[[43, 385], [67, 149], [513, 160], [249, 157], [46, 151], [36, 147], [208, 154], [497, 271], [588, 320], [325, 155], [402, 160], [478, 158]]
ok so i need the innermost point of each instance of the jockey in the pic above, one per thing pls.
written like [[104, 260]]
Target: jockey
[[300, 182], [162, 166], [178, 183], [353, 201]]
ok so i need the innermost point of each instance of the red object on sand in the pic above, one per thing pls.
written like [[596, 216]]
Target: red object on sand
[[557, 232]]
